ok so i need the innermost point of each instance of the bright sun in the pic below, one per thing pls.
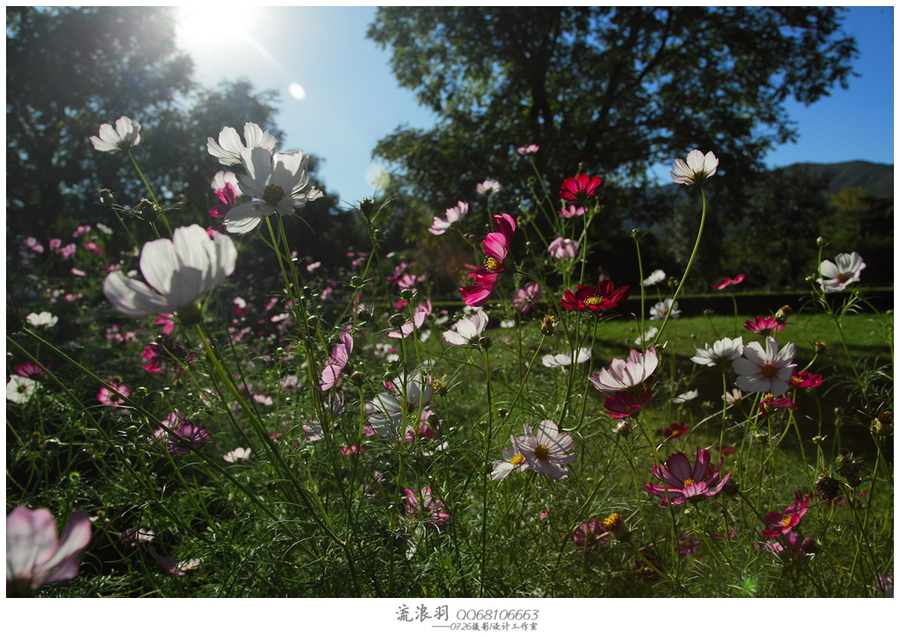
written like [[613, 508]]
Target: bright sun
[[209, 25]]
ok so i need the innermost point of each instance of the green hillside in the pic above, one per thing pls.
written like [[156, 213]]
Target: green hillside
[[877, 179]]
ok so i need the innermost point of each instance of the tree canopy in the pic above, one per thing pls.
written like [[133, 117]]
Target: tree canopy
[[610, 89]]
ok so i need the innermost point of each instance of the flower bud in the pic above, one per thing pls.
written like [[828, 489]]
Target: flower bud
[[623, 428], [828, 488], [548, 325], [107, 197], [396, 321], [821, 242], [357, 378], [616, 526], [367, 207], [408, 294], [883, 424], [782, 314]]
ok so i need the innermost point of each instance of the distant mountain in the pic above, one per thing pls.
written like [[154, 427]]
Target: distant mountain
[[877, 179]]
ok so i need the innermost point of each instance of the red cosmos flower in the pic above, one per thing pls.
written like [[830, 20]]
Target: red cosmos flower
[[623, 405], [579, 188], [675, 430], [726, 282], [589, 299], [496, 245], [784, 523], [765, 326], [805, 379]]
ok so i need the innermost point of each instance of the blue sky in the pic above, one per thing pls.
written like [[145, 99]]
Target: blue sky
[[351, 99]]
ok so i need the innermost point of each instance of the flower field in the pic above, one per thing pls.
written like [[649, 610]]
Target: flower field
[[184, 420]]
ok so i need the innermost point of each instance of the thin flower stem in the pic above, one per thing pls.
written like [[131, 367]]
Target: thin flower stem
[[487, 457], [687, 269]]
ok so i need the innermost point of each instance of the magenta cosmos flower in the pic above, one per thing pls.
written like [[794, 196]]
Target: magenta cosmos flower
[[528, 150], [34, 555], [806, 380], [594, 299], [627, 374], [684, 483], [424, 507], [784, 523], [579, 188], [526, 297], [496, 246], [545, 449], [765, 370], [838, 275], [726, 282], [626, 404], [696, 169], [764, 326]]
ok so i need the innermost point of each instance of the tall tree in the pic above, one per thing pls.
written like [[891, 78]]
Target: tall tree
[[604, 90]]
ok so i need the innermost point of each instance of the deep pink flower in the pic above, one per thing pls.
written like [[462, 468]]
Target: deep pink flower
[[594, 299], [32, 244], [726, 282], [806, 379], [107, 397], [784, 523], [351, 450], [425, 507], [528, 150], [496, 246], [769, 403], [622, 404], [685, 483], [579, 188], [187, 436], [34, 554], [675, 430], [765, 326], [29, 370]]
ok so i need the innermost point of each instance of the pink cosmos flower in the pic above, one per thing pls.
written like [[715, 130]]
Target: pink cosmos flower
[[340, 354], [697, 169], [34, 554], [496, 246], [29, 370], [171, 564], [186, 436], [526, 297], [784, 523], [623, 404], [422, 312], [425, 507], [685, 483], [546, 449], [226, 188], [528, 150], [765, 326], [131, 537], [800, 379], [567, 212], [563, 248], [579, 188], [439, 226], [766, 371], [107, 397], [32, 244], [838, 275], [487, 187], [411, 400], [625, 375], [590, 534], [726, 282]]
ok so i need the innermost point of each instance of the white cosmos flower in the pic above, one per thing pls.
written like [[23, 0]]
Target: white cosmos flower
[[685, 397], [179, 271], [669, 306], [44, 319], [722, 351], [275, 181], [766, 371], [696, 169], [647, 337], [468, 330], [20, 389], [624, 374], [837, 276], [111, 140], [658, 276], [412, 398], [560, 360], [229, 147], [237, 455]]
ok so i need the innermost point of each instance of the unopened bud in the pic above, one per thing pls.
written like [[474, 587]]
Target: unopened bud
[[616, 526], [782, 314], [408, 294], [548, 325], [396, 321], [821, 242], [357, 378], [107, 197], [367, 207]]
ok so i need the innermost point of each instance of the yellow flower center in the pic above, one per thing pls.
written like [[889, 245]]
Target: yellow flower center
[[612, 521], [492, 265], [664, 312], [768, 370], [688, 483], [842, 277], [273, 194], [542, 452], [593, 300], [786, 521], [517, 459]]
